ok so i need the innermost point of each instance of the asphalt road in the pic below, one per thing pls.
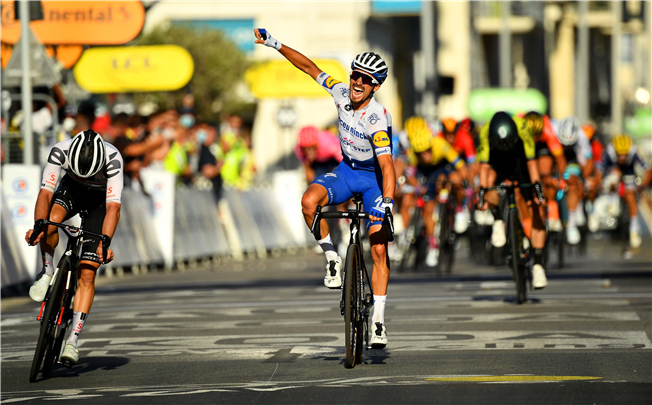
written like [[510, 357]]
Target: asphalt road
[[268, 332]]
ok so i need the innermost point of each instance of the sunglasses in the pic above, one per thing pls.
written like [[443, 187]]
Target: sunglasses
[[366, 79]]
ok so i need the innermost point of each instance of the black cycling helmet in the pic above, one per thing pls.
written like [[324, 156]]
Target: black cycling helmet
[[503, 134], [87, 153]]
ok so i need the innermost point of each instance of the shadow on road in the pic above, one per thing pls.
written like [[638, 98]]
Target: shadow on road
[[87, 365]]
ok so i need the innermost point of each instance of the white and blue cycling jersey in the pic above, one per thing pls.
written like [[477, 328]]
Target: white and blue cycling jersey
[[364, 135]]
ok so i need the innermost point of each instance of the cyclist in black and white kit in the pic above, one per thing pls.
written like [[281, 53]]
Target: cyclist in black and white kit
[[81, 174]]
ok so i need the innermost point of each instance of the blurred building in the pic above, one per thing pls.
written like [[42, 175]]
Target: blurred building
[[561, 48]]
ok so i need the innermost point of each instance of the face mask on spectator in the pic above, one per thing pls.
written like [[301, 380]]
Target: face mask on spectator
[[187, 120], [201, 136], [69, 124], [168, 133]]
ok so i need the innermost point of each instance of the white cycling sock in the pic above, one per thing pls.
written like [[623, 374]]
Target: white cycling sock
[[633, 224], [48, 258], [328, 248], [572, 215], [78, 320], [379, 309]]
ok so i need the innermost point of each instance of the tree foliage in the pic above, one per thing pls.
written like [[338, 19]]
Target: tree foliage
[[219, 67]]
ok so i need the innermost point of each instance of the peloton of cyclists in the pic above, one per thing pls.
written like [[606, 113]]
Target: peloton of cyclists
[[436, 161], [365, 134], [81, 174]]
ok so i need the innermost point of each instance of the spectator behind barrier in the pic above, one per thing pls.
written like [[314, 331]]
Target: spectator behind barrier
[[211, 159]]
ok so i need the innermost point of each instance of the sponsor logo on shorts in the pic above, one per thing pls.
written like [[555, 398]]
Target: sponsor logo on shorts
[[381, 139]]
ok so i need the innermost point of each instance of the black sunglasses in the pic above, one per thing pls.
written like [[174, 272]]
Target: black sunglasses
[[366, 79]]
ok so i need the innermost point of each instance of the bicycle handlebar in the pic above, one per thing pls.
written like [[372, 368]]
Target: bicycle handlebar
[[316, 230], [71, 231], [502, 187]]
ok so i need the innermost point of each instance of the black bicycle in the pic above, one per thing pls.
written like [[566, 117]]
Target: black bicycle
[[414, 245], [445, 227], [519, 255], [356, 297], [56, 310]]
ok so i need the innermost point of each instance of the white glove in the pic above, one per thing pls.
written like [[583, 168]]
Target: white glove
[[379, 212], [268, 39]]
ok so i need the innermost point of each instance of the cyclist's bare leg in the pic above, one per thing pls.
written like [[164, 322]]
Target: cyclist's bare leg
[[407, 202], [573, 193], [545, 164], [428, 220], [524, 213], [315, 195], [630, 198], [380, 270], [456, 179], [83, 300], [51, 239], [86, 287]]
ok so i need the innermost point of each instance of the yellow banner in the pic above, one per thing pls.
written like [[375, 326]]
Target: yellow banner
[[134, 68], [79, 22], [280, 79]]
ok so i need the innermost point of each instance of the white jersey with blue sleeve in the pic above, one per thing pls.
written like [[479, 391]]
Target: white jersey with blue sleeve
[[364, 134]]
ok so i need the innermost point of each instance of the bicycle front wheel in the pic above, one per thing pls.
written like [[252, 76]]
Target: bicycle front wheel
[[515, 241], [351, 304], [49, 320]]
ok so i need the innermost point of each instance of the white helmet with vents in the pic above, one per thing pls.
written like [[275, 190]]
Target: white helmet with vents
[[372, 64]]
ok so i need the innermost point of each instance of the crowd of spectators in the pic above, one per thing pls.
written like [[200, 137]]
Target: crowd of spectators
[[208, 155]]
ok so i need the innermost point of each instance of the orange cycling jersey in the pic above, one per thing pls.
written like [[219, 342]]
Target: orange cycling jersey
[[549, 138]]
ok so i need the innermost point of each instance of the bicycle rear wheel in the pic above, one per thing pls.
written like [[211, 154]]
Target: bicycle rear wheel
[[352, 316], [48, 322], [515, 241]]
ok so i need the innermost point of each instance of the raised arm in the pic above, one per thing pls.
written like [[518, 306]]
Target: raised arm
[[299, 60]]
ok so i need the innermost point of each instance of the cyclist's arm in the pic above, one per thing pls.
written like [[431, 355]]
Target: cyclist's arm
[[296, 58], [43, 204], [111, 218], [389, 175], [533, 170], [484, 175]]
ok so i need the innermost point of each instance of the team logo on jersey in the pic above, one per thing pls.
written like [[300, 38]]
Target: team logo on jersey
[[373, 119], [347, 107], [381, 139], [112, 169], [345, 92], [330, 82]]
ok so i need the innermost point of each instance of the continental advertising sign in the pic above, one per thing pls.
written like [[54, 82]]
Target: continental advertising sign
[[484, 103], [79, 22], [280, 79], [134, 69]]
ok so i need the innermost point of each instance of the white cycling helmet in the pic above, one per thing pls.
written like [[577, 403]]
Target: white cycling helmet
[[371, 63], [87, 153], [569, 131]]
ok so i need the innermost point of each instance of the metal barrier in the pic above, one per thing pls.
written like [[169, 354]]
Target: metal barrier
[[14, 271], [255, 220]]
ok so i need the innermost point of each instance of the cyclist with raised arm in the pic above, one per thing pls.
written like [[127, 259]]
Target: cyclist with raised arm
[[621, 156], [507, 152], [435, 160], [579, 165], [365, 133], [81, 174]]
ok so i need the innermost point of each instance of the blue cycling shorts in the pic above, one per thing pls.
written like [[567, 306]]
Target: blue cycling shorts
[[344, 181]]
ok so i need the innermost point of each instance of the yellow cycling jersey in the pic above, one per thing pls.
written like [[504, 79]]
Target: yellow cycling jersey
[[441, 151], [524, 133]]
